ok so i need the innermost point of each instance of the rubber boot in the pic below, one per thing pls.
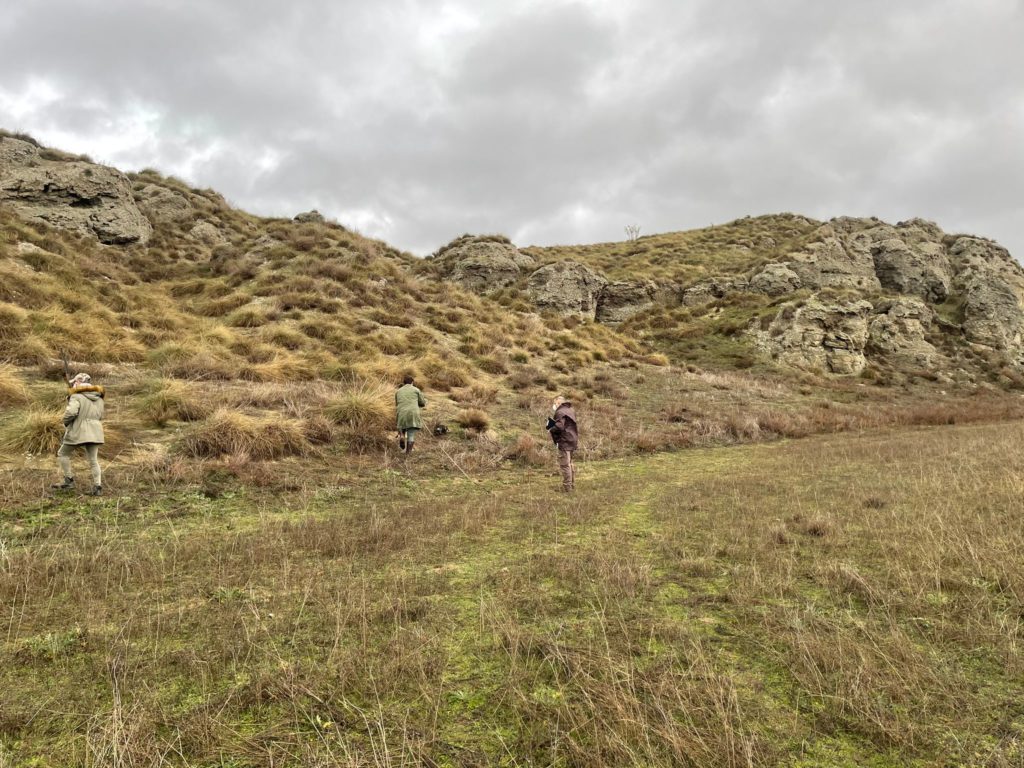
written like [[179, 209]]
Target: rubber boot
[[67, 485]]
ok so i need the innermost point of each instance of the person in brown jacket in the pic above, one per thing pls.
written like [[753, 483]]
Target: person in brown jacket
[[565, 434]]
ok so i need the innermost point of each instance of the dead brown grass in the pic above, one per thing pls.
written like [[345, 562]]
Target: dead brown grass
[[228, 433], [12, 388]]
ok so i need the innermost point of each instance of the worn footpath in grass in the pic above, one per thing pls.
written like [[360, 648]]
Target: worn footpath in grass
[[842, 600]]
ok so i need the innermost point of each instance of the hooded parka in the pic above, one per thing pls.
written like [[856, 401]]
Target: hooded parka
[[83, 416]]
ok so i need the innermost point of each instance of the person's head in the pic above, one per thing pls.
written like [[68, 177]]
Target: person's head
[[81, 380], [557, 402], [408, 379]]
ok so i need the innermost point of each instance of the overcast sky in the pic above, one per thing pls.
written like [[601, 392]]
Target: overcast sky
[[549, 121]]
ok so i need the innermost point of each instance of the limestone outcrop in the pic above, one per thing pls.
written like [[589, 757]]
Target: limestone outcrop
[[208, 233], [162, 205], [620, 300], [991, 285], [775, 280], [70, 194], [310, 217], [567, 288], [484, 264], [819, 336], [898, 330]]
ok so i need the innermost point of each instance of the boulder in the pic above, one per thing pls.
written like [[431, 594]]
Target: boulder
[[819, 336], [775, 280], [621, 300], [208, 233], [70, 194], [310, 217], [568, 288], [484, 265], [898, 330], [162, 205]]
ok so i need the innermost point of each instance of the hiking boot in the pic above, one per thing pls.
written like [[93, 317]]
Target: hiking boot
[[408, 447], [97, 490], [67, 485], [401, 443]]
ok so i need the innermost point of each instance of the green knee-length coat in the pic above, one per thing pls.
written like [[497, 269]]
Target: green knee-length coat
[[408, 401]]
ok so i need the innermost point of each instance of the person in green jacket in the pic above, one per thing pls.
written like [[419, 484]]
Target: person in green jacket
[[83, 422], [408, 401]]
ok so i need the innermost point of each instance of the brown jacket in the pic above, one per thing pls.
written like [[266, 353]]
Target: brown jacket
[[563, 428]]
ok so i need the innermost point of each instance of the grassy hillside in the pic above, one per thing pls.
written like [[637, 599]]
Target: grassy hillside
[[737, 247], [840, 601]]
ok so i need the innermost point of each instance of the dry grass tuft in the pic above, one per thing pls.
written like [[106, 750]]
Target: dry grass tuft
[[34, 431], [227, 433], [363, 405], [169, 400], [474, 419], [12, 389], [526, 450]]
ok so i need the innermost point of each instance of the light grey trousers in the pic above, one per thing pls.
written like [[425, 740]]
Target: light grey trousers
[[92, 453]]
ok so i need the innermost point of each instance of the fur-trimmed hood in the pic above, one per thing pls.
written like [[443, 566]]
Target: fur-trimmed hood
[[92, 391]]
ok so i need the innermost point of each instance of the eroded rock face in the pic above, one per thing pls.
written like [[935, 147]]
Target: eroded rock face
[[920, 271], [208, 233], [163, 205], [870, 255], [818, 336], [776, 280], [568, 288], [992, 287], [484, 266], [621, 300], [835, 261], [70, 194], [898, 328]]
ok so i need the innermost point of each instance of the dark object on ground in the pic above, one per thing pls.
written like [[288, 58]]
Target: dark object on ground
[[440, 429], [67, 485]]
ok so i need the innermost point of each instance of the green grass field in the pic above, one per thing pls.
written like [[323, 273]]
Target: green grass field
[[843, 600]]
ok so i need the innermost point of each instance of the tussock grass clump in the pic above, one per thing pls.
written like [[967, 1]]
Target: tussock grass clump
[[443, 373], [229, 433], [12, 389], [34, 431], [319, 430], [364, 405], [169, 400], [474, 419], [525, 449]]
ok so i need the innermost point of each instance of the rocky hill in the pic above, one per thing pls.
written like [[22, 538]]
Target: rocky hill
[[230, 336], [847, 296]]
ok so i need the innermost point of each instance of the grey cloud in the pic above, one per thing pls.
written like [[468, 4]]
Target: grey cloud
[[550, 121]]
